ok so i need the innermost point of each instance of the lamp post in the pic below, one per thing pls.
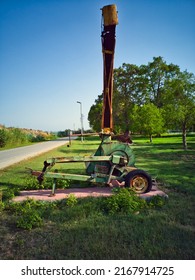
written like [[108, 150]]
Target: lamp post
[[81, 120]]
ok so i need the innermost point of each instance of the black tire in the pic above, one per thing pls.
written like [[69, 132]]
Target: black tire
[[139, 181]]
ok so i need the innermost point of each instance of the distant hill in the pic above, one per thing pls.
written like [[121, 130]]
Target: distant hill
[[14, 136], [33, 132]]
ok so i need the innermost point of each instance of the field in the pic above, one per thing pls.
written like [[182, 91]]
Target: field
[[122, 227]]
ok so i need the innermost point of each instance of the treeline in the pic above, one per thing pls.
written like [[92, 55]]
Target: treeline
[[150, 99], [67, 132], [16, 136]]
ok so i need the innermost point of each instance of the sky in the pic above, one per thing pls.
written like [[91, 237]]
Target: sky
[[51, 53]]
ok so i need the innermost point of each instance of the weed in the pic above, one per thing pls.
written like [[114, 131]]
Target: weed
[[123, 201], [2, 206], [31, 183], [157, 201], [71, 200], [29, 219], [9, 193]]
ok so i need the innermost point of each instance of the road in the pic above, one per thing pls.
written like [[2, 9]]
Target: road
[[12, 156]]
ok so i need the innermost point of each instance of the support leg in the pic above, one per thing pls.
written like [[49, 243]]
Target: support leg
[[53, 187], [110, 173]]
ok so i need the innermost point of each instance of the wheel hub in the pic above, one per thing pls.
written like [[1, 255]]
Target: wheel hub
[[140, 184]]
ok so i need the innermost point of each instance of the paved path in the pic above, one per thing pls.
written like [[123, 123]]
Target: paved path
[[12, 156]]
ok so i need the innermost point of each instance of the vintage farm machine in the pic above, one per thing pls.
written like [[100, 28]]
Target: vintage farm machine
[[113, 161]]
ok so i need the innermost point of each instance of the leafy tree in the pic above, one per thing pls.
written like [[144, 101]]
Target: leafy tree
[[95, 114], [154, 76], [179, 103], [137, 88], [125, 95], [148, 120]]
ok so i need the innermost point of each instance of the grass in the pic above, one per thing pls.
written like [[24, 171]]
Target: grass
[[82, 229]]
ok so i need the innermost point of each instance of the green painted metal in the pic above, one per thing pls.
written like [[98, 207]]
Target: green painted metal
[[79, 159], [119, 149], [111, 161]]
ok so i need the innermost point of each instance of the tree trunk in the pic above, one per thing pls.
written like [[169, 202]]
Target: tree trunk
[[184, 136], [151, 138]]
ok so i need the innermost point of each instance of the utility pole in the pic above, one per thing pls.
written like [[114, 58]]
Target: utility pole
[[81, 120]]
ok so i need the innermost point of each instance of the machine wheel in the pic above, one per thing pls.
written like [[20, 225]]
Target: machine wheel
[[139, 181]]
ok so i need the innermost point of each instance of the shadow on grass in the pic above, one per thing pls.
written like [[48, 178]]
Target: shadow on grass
[[173, 166], [83, 233]]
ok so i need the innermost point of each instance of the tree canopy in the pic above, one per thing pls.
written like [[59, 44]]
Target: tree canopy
[[150, 99]]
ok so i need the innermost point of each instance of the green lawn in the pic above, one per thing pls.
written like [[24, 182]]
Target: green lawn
[[85, 229]]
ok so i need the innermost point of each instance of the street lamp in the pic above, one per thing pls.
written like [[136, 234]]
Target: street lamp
[[81, 120]]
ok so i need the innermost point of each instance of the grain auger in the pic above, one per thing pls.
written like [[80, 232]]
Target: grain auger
[[113, 161]]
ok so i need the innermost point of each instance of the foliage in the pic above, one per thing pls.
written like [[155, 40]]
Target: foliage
[[95, 114], [126, 93], [31, 213], [3, 137], [123, 201], [71, 200], [157, 83], [29, 220], [31, 183], [64, 133], [9, 193], [148, 120], [180, 101], [14, 137]]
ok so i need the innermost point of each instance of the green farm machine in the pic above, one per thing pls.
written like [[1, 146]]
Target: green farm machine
[[113, 160]]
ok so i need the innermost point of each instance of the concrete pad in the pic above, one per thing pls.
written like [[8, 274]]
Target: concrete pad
[[79, 193]]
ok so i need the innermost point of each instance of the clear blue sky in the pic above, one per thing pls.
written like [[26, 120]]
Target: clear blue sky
[[50, 53]]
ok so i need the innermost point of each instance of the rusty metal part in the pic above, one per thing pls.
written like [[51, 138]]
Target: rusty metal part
[[110, 20]]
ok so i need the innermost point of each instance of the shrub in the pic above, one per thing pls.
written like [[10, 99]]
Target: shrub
[[157, 201], [71, 200], [9, 193], [123, 201], [28, 214], [31, 183], [29, 219], [3, 138]]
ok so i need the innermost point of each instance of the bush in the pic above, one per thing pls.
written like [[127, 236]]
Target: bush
[[28, 214], [157, 201], [31, 183], [38, 138], [3, 137], [123, 201], [71, 200], [29, 220], [9, 193]]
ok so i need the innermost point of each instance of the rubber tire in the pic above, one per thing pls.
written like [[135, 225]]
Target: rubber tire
[[144, 176]]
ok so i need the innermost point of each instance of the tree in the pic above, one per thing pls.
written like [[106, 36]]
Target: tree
[[179, 103], [148, 120], [95, 114], [125, 95], [157, 83], [154, 76]]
